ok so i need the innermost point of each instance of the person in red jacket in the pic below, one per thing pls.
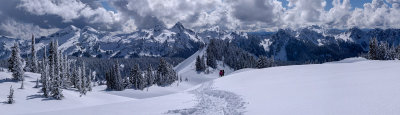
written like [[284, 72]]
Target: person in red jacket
[[221, 73]]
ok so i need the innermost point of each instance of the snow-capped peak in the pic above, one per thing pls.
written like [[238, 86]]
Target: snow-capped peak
[[88, 28], [178, 26]]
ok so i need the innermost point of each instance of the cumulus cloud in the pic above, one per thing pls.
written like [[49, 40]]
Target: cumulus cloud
[[130, 15], [338, 15], [395, 3], [171, 11], [69, 10], [24, 30], [304, 12], [376, 14], [267, 11]]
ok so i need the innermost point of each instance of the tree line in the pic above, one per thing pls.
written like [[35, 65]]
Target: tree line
[[230, 54], [59, 72], [382, 50]]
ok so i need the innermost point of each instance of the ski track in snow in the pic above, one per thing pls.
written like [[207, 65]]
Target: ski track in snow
[[213, 102]]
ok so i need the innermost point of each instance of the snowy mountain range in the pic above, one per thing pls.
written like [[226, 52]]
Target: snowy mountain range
[[310, 43]]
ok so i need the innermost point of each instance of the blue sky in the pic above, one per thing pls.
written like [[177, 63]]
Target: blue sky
[[354, 3]]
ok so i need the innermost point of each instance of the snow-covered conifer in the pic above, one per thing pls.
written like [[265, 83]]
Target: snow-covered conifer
[[22, 84], [262, 62], [37, 83], [33, 59], [373, 49], [11, 96], [15, 63], [149, 76]]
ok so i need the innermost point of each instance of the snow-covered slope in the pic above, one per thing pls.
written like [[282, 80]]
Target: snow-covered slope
[[186, 71], [353, 86], [29, 100]]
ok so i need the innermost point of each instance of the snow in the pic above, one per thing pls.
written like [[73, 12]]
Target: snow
[[185, 70], [358, 88], [28, 100], [266, 43], [344, 36], [354, 86]]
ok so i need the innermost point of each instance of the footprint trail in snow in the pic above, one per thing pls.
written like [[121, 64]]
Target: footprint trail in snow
[[213, 102]]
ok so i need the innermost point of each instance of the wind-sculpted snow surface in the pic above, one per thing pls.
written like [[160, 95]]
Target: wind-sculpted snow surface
[[214, 102]]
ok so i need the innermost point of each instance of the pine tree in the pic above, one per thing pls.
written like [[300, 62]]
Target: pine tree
[[52, 62], [211, 61], [56, 91], [150, 76], [37, 83], [373, 49], [45, 76], [203, 63], [84, 85], [66, 72], [56, 80], [84, 78], [198, 64], [33, 60], [391, 53], [89, 80], [166, 75], [136, 77], [382, 51], [15, 63], [161, 72], [397, 50], [11, 96], [262, 62], [22, 85], [116, 78], [78, 79]]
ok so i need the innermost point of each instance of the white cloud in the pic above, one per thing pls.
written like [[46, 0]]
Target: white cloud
[[227, 14], [24, 30], [304, 12], [376, 14], [69, 10], [172, 11], [338, 15]]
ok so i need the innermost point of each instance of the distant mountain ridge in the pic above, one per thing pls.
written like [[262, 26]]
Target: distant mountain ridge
[[310, 43]]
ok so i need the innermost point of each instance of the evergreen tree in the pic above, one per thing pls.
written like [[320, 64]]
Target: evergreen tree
[[262, 62], [211, 61], [200, 65], [11, 96], [166, 75], [66, 72], [15, 63], [136, 77], [78, 79], [52, 61], [114, 79], [373, 49], [382, 51], [33, 60], [84, 85], [22, 84], [391, 53], [118, 77], [61, 71], [37, 83], [150, 76], [45, 76], [90, 80], [397, 50], [56, 91]]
